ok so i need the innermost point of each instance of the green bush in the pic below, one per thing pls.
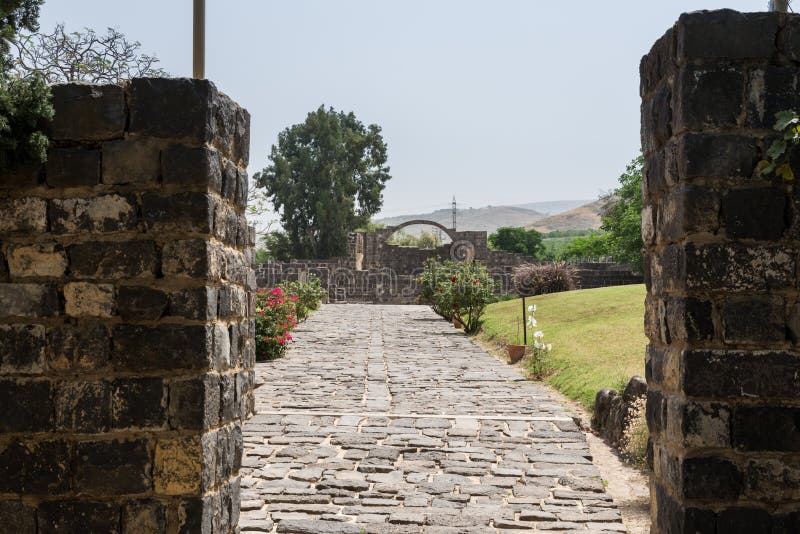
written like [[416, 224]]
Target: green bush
[[275, 318], [457, 290], [309, 295]]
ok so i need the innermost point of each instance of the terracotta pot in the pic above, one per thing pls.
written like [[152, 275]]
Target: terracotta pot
[[457, 323], [515, 353]]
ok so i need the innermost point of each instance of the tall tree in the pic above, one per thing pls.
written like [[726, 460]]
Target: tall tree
[[622, 220], [326, 178], [517, 239], [16, 15]]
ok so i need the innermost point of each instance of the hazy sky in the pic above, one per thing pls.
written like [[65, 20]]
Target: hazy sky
[[494, 101]]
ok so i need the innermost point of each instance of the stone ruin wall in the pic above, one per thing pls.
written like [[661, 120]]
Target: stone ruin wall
[[126, 339]]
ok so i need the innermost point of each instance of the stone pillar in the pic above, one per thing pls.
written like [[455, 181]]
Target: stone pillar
[[723, 308], [126, 297]]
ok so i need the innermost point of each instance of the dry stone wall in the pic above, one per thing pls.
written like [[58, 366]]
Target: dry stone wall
[[126, 297], [723, 308]]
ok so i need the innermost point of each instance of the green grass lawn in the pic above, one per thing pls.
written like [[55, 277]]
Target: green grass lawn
[[597, 335]]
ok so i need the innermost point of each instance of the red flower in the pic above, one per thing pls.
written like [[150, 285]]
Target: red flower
[[475, 282], [293, 298], [453, 278]]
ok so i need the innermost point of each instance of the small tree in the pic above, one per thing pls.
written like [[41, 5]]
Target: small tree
[[61, 56], [518, 240], [622, 220]]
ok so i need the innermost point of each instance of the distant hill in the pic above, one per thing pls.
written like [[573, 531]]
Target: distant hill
[[553, 207], [488, 218], [581, 218]]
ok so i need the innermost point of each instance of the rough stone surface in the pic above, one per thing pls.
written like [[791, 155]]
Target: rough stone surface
[[403, 425], [121, 405], [722, 312]]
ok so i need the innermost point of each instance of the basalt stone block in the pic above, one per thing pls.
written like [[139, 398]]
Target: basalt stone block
[[654, 364], [85, 347], [227, 386], [195, 402], [657, 119], [754, 319], [101, 214], [668, 270], [194, 258], [771, 89], [73, 167], [3, 268], [226, 224], [23, 215], [131, 161], [706, 476], [22, 348], [177, 468], [734, 267], [113, 260], [755, 213], [744, 521], [181, 212], [144, 516], [232, 301], [735, 374], [79, 516], [17, 517], [766, 428], [46, 260], [230, 179], [656, 64], [173, 108], [138, 403], [701, 424], [161, 347], [209, 446], [29, 300], [26, 405], [772, 479], [688, 209], [690, 319], [222, 348], [199, 515], [88, 112], [656, 411], [198, 303], [139, 303], [708, 97], [242, 189], [36, 467], [226, 455], [716, 156], [112, 467], [83, 299], [83, 406], [193, 167], [22, 177], [726, 33]]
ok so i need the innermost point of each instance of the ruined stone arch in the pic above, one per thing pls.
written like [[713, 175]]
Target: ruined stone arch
[[389, 231]]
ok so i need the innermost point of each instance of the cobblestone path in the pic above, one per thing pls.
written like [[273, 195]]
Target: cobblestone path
[[385, 419]]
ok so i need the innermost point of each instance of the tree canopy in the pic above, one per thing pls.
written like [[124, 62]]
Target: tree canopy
[[517, 239], [325, 179], [622, 220]]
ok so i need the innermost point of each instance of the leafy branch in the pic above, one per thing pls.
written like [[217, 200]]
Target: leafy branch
[[778, 160]]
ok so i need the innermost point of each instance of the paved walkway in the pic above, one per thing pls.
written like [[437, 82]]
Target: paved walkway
[[385, 419]]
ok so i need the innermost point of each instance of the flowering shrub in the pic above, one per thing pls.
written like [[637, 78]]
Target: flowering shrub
[[457, 290], [275, 318], [543, 278], [309, 295], [539, 363]]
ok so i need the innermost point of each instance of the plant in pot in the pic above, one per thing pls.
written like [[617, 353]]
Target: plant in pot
[[516, 352]]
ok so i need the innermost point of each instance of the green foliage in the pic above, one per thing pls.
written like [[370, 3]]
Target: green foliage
[[557, 243], [262, 255], [778, 159], [592, 246], [623, 219], [24, 104], [370, 227], [309, 294], [520, 240], [277, 247], [457, 290], [567, 233], [423, 240], [326, 178]]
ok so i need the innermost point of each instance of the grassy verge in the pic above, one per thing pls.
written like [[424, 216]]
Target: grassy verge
[[597, 335]]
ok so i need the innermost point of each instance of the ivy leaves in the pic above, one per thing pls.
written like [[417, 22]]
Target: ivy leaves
[[778, 160]]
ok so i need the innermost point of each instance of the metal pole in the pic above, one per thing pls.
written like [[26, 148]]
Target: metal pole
[[199, 56], [782, 6], [524, 323]]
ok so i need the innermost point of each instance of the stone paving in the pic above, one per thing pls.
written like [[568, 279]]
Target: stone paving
[[385, 419]]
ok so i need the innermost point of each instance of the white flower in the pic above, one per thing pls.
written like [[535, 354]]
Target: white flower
[[532, 321], [549, 347], [537, 345], [538, 334], [531, 308]]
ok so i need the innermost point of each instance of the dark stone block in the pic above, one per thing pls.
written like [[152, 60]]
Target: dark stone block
[[789, 38], [22, 177], [657, 63], [656, 411], [194, 258], [232, 301], [228, 412], [668, 270], [175, 108], [107, 468], [238, 448], [689, 209], [731, 373], [88, 112], [709, 97], [182, 212], [716, 156], [35, 468], [230, 180], [138, 403], [85, 347], [138, 303], [771, 90], [3, 267], [104, 213], [242, 189], [131, 161], [189, 166], [29, 300], [226, 455], [726, 33], [194, 403], [735, 268], [197, 515], [699, 521], [26, 405], [755, 213], [653, 176], [17, 517], [766, 428], [654, 364], [194, 303], [241, 147], [100, 259], [690, 319], [57, 517], [754, 319], [744, 521], [709, 476], [22, 348], [83, 406], [73, 167], [161, 347], [144, 516], [656, 120], [786, 523]]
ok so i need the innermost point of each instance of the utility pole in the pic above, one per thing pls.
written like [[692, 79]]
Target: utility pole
[[454, 212], [199, 40], [781, 6]]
